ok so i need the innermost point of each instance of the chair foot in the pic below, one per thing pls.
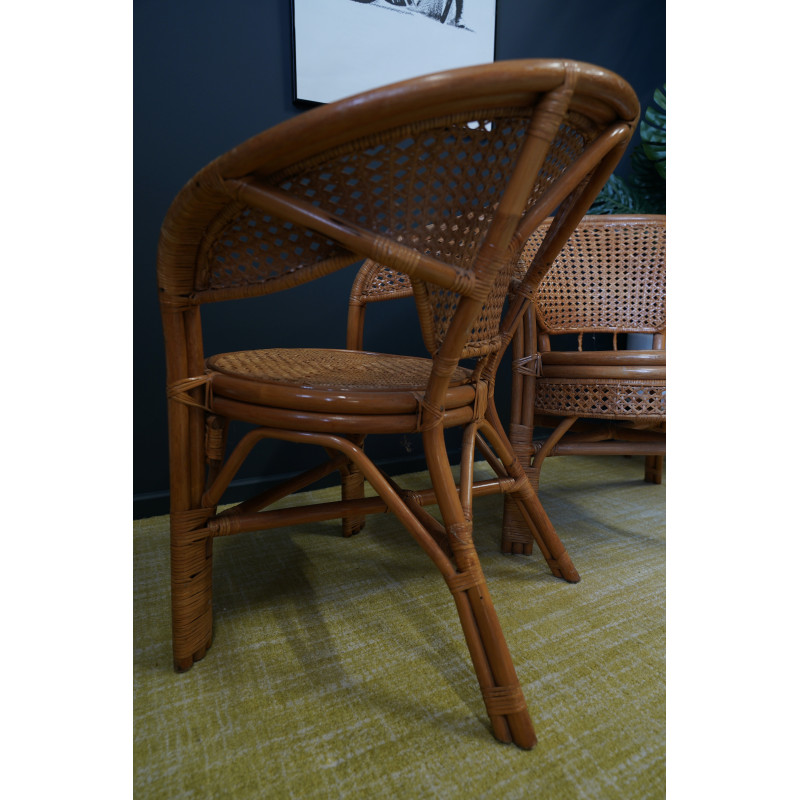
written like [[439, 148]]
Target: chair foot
[[502, 693], [186, 663], [525, 522], [562, 567]]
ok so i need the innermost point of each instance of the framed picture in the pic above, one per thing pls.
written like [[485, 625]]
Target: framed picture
[[343, 47]]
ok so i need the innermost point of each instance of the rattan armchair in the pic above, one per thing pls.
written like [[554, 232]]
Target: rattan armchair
[[609, 281], [443, 178]]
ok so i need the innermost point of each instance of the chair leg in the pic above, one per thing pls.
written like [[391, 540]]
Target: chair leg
[[352, 489], [190, 540], [533, 524], [191, 565], [653, 469], [502, 693], [529, 522]]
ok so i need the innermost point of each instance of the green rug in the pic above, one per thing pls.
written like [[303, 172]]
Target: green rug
[[339, 669]]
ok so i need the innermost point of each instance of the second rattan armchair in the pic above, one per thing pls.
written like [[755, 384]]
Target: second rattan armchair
[[608, 281]]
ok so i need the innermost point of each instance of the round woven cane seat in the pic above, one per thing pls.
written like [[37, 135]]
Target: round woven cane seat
[[328, 380]]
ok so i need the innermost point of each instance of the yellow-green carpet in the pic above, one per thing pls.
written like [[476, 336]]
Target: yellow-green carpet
[[339, 669]]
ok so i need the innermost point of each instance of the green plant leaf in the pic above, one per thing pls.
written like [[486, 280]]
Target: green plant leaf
[[646, 191], [653, 131], [616, 197]]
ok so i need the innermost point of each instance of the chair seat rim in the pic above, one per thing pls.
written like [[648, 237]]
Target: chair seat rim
[[616, 415], [333, 421], [589, 373], [605, 357]]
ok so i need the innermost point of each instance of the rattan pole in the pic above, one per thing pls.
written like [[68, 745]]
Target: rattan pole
[[191, 556], [294, 484], [519, 431], [196, 366], [466, 475], [226, 524], [555, 195], [355, 325], [542, 529], [551, 442], [482, 630], [517, 380], [358, 240], [609, 448]]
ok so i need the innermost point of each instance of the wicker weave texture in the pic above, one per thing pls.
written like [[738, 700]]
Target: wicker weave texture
[[433, 187], [384, 283], [334, 370], [588, 398], [610, 276]]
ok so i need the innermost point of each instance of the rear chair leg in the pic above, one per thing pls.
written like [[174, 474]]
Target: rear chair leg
[[352, 489], [653, 469], [532, 515]]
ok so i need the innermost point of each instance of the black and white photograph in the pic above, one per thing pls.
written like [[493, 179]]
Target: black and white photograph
[[343, 47]]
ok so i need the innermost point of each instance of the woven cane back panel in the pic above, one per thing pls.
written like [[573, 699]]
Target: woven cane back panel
[[435, 188], [609, 277]]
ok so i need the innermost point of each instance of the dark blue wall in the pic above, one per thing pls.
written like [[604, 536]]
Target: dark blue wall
[[208, 75]]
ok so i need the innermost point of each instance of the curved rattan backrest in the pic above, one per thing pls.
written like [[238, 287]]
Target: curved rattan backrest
[[609, 277], [431, 176]]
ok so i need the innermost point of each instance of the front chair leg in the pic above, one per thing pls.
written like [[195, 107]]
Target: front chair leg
[[502, 693], [497, 678], [491, 659]]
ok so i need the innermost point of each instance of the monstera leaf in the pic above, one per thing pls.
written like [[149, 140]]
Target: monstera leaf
[[653, 130], [645, 192]]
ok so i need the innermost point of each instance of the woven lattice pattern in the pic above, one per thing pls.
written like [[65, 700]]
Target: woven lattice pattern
[[434, 188], [253, 248], [601, 400], [338, 370], [610, 276], [387, 282]]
